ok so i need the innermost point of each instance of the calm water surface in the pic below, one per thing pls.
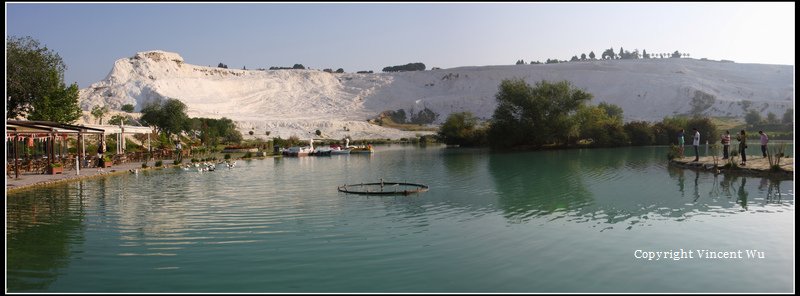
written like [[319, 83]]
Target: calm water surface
[[545, 221]]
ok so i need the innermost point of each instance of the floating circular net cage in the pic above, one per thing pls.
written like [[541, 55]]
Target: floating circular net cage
[[383, 188]]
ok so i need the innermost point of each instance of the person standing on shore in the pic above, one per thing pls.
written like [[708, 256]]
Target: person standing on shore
[[680, 142], [696, 144], [742, 137], [726, 143], [178, 151], [101, 148], [764, 141]]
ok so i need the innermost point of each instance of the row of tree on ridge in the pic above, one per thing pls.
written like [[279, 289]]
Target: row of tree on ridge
[[609, 54]]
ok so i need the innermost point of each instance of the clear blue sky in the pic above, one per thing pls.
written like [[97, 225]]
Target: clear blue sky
[[370, 36]]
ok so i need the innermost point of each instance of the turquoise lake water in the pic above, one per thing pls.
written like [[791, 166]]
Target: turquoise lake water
[[544, 221]]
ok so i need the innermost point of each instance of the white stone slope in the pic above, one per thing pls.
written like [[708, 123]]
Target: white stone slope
[[299, 102]]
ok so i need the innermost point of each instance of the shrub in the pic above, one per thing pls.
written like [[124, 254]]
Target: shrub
[[247, 155], [640, 133], [462, 129], [144, 165], [177, 161], [159, 163], [227, 156], [127, 108], [55, 165]]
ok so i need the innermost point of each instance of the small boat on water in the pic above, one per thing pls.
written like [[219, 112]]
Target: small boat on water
[[300, 151], [358, 149], [297, 151], [363, 149], [322, 152], [336, 149]]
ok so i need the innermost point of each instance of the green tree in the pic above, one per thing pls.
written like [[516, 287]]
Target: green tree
[[214, 131], [612, 110], [640, 133], [788, 116], [752, 117], [535, 116], [60, 104], [151, 115], [127, 108], [98, 113], [167, 116], [772, 118], [666, 131], [174, 119], [462, 128], [708, 130], [595, 123], [34, 83], [608, 54], [120, 119]]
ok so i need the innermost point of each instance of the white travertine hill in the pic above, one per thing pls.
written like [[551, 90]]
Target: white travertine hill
[[299, 102]]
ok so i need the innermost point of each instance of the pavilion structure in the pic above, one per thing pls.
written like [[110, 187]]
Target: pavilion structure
[[53, 137]]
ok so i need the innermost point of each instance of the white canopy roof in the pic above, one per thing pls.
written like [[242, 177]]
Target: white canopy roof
[[125, 129]]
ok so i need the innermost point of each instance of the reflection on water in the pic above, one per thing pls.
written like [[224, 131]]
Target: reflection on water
[[538, 184], [517, 222], [40, 232], [616, 185]]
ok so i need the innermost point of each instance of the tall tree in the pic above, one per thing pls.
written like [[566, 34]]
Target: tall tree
[[645, 55], [583, 57], [608, 53], [621, 53], [167, 116], [752, 117], [175, 119], [127, 108], [613, 111], [35, 83], [98, 113], [788, 116], [60, 104], [772, 118], [591, 55], [535, 116], [462, 128]]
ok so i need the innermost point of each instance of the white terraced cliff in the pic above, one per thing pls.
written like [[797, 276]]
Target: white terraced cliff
[[299, 102]]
